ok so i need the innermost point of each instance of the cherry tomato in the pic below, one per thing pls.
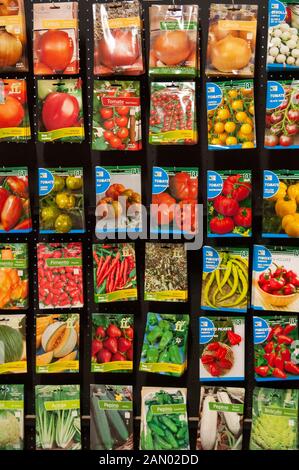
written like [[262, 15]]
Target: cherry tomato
[[115, 142], [286, 140], [122, 121], [106, 113], [292, 129], [271, 140], [123, 110], [123, 133], [293, 115], [109, 124], [276, 117], [108, 135]]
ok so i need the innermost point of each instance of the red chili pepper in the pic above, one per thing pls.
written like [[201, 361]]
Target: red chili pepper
[[207, 359], [270, 358], [25, 224], [277, 283], [291, 368], [225, 364], [215, 371], [268, 348], [288, 329], [263, 371], [233, 338], [279, 374], [285, 355], [283, 339], [277, 330], [279, 362], [213, 346]]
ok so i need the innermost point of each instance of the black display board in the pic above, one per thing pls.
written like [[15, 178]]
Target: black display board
[[36, 155]]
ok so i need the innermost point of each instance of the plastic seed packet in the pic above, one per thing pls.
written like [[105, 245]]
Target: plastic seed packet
[[229, 203], [112, 342], [111, 417], [55, 38], [14, 117], [275, 278], [60, 110], [174, 200], [283, 37], [230, 108], [172, 114], [164, 420], [282, 115], [222, 348], [13, 40], [114, 272], [14, 276], [60, 283], [221, 416], [117, 30], [57, 343], [61, 200], [58, 422], [166, 276], [15, 212], [275, 340], [164, 349], [116, 115], [12, 417], [231, 40], [274, 419], [118, 199], [225, 279], [173, 40], [13, 358], [280, 204]]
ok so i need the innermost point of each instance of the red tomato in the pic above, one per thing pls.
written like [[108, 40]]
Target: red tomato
[[182, 186], [115, 142], [123, 110], [221, 225], [271, 140], [243, 218], [109, 124], [3, 196], [106, 113], [115, 190], [55, 49], [122, 121], [186, 216], [226, 206], [11, 112], [60, 110], [123, 133], [42, 69], [235, 187], [162, 209], [108, 135]]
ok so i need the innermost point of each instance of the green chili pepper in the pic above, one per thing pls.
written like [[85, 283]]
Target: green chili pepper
[[174, 354], [171, 439], [154, 334], [161, 443], [169, 423], [156, 429], [152, 319], [164, 356], [164, 325], [152, 354], [145, 348], [165, 340]]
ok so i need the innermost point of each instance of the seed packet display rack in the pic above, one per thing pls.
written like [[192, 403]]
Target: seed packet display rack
[[36, 155]]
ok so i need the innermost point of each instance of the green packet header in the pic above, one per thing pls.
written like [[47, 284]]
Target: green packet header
[[115, 405]]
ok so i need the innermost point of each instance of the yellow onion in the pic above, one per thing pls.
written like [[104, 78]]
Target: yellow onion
[[230, 54], [172, 47], [10, 49]]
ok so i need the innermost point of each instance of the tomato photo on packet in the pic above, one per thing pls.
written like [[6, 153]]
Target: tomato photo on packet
[[14, 116]]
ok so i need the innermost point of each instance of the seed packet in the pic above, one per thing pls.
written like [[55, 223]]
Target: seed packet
[[225, 279], [60, 110], [174, 200], [173, 40], [55, 38], [164, 349], [282, 115], [283, 36], [231, 40], [229, 203], [61, 200], [15, 213], [172, 114], [118, 199], [280, 204], [114, 272], [230, 115], [222, 348], [164, 420], [111, 417], [58, 423], [112, 342], [60, 283], [117, 31], [166, 277], [12, 417], [275, 278], [14, 117], [116, 115], [13, 40], [13, 359], [274, 419], [221, 416], [57, 343], [275, 340], [14, 276]]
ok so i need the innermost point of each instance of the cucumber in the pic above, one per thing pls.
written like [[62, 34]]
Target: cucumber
[[118, 424], [101, 424]]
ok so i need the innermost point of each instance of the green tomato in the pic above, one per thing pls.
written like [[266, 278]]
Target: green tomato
[[65, 200], [59, 183], [74, 182], [63, 223], [49, 213], [44, 88]]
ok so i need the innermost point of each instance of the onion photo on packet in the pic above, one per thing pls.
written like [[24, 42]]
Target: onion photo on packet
[[13, 39]]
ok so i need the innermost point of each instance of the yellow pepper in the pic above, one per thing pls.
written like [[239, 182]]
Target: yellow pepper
[[285, 207], [290, 224], [293, 191], [281, 193]]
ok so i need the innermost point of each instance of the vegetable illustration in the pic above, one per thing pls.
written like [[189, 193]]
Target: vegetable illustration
[[12, 344], [11, 417]]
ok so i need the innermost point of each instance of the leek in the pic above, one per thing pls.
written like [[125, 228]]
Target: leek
[[65, 429]]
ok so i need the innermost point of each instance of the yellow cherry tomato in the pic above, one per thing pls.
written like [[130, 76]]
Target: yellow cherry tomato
[[229, 127], [281, 193], [233, 93], [241, 116], [215, 141], [223, 137], [285, 207], [219, 127], [231, 140], [251, 109], [237, 105], [246, 129], [246, 91], [290, 224], [248, 145], [293, 191], [209, 125], [223, 114]]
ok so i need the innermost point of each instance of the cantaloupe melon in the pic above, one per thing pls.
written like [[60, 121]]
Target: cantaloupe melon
[[59, 338], [44, 359], [38, 341], [68, 357]]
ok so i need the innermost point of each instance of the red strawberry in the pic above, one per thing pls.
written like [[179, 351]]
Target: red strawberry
[[113, 331], [130, 354], [111, 345], [118, 357], [129, 333], [123, 344], [96, 346], [104, 356], [100, 332]]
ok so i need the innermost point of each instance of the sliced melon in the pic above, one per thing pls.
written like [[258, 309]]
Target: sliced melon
[[38, 341], [68, 357], [44, 359], [59, 338]]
